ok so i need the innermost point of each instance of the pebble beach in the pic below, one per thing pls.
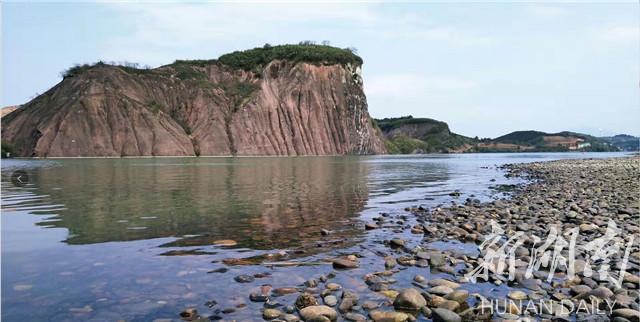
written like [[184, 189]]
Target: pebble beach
[[567, 217]]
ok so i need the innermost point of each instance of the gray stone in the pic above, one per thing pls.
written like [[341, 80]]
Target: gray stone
[[601, 293], [444, 315], [355, 317], [330, 300], [344, 263], [440, 290], [244, 278], [442, 281], [517, 295], [409, 299], [305, 300], [270, 314], [384, 316], [315, 311], [629, 314], [459, 296], [349, 300], [397, 242]]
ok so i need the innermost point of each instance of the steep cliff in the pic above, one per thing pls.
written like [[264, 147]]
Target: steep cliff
[[283, 100]]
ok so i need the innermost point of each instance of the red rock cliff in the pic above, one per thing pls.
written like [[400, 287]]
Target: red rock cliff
[[285, 108]]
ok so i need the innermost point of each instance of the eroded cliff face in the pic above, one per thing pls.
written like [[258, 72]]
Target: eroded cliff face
[[286, 108], [8, 109]]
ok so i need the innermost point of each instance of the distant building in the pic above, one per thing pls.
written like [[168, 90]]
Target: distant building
[[583, 145], [575, 145]]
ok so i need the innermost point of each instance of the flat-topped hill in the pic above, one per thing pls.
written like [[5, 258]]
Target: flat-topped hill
[[276, 100]]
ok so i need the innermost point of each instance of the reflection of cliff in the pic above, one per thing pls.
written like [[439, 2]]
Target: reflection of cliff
[[395, 176], [261, 203]]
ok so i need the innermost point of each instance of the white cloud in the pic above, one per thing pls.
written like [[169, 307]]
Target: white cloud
[[620, 34], [409, 85], [453, 36], [161, 27], [160, 30], [546, 11]]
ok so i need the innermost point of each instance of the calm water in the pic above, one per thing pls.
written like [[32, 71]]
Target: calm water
[[135, 239]]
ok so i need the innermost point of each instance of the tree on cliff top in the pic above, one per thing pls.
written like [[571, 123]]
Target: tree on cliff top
[[306, 51]]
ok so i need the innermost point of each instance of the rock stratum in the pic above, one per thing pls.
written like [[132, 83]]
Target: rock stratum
[[284, 100]]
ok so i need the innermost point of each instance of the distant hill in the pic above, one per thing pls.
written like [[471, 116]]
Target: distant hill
[[623, 142], [545, 142], [407, 135]]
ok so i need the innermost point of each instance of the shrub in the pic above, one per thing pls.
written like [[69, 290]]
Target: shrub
[[126, 66], [185, 71], [305, 51], [195, 62], [154, 106], [78, 69], [7, 150], [238, 91], [176, 116], [406, 145]]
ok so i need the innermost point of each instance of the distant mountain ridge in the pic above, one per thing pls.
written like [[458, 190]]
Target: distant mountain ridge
[[623, 142], [407, 135], [537, 141]]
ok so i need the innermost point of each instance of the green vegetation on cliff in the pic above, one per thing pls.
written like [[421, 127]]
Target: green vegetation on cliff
[[305, 52], [249, 60], [238, 91], [128, 67], [402, 144], [388, 124]]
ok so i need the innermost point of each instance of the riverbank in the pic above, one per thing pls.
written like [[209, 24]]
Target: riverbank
[[428, 265]]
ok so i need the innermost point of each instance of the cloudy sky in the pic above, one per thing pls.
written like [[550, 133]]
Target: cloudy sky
[[485, 68]]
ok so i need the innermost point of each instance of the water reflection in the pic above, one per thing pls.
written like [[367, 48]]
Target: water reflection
[[262, 203], [113, 214]]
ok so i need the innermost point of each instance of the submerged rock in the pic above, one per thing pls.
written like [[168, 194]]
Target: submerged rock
[[305, 300], [330, 300], [345, 263], [189, 314], [244, 278], [409, 299], [370, 226], [315, 311], [225, 242], [270, 314], [386, 316], [444, 315]]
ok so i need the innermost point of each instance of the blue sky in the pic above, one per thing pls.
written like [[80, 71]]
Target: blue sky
[[485, 68]]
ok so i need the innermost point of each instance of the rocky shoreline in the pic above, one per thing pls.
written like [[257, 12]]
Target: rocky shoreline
[[535, 256]]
